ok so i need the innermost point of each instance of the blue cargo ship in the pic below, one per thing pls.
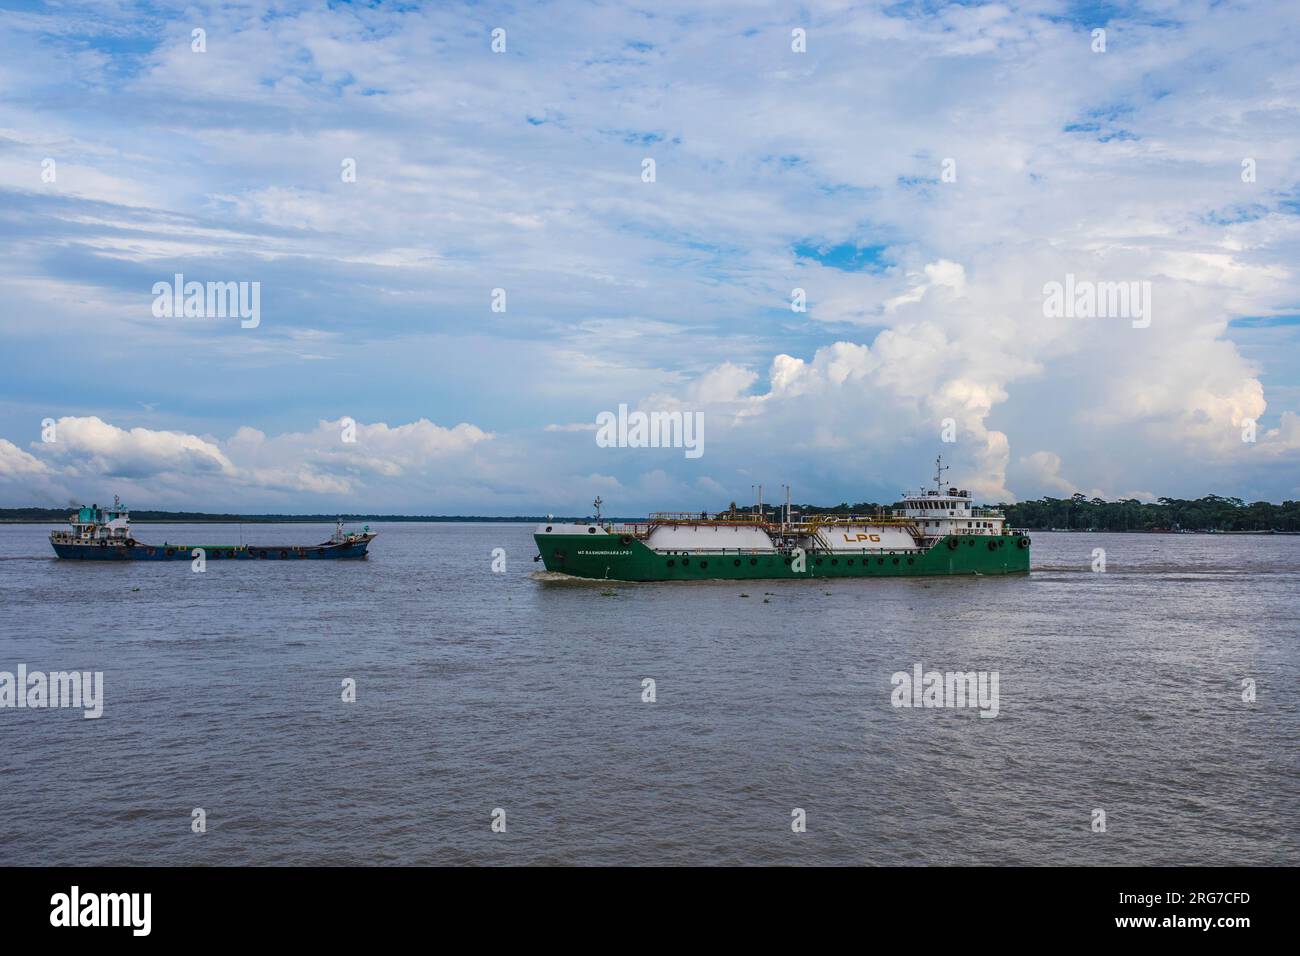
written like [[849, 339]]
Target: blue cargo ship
[[104, 534]]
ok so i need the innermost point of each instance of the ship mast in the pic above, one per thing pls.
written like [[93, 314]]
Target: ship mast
[[939, 469]]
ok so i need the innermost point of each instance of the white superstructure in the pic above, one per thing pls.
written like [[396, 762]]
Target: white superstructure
[[936, 513], [97, 525]]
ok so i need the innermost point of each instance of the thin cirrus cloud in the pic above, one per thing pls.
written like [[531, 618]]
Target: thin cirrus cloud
[[775, 170]]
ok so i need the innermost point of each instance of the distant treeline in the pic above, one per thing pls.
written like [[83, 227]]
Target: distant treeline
[[1080, 513], [1211, 513], [44, 515]]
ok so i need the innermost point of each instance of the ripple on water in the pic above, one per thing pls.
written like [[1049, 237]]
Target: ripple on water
[[523, 691]]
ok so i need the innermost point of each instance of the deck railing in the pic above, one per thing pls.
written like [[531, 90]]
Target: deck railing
[[802, 524]]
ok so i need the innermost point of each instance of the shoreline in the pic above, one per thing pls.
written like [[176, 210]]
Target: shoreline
[[321, 519], [541, 519]]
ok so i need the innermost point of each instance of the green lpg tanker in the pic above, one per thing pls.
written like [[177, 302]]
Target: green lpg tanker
[[935, 532]]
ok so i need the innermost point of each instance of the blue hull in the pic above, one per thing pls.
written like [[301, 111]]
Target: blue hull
[[176, 552]]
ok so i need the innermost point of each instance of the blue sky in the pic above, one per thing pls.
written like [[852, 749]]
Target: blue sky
[[921, 172]]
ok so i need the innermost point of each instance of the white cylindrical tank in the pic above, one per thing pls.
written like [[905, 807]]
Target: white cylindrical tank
[[868, 537], [687, 537]]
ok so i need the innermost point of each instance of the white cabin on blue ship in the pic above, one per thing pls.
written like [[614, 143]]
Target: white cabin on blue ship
[[99, 524]]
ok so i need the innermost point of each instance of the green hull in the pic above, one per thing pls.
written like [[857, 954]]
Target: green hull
[[616, 558]]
